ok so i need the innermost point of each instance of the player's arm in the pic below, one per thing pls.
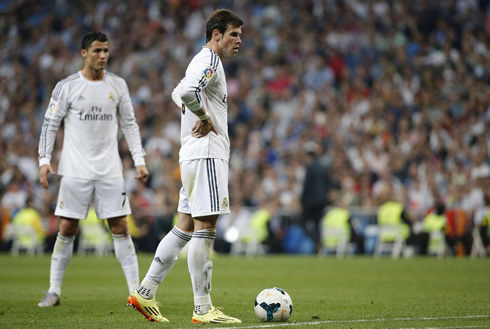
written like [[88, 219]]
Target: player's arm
[[130, 129], [190, 92], [55, 113], [176, 96], [201, 127], [196, 109]]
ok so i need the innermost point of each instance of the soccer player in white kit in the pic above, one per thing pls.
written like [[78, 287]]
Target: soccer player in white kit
[[90, 103], [203, 158]]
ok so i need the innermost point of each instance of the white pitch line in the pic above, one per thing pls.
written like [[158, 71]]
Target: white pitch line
[[428, 318], [457, 327]]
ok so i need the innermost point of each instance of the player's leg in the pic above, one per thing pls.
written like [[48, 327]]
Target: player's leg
[[62, 253], [201, 271], [73, 202], [124, 250], [111, 202], [143, 299], [208, 181], [199, 262], [166, 255]]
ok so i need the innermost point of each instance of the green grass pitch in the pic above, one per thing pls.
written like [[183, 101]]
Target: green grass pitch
[[357, 292]]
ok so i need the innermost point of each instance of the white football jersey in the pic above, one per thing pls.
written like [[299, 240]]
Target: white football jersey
[[205, 80], [90, 111]]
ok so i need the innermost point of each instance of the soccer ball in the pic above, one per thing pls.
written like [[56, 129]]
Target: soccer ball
[[273, 305]]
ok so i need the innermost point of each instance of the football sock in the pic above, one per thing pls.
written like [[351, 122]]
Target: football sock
[[166, 256], [201, 268], [62, 252], [126, 255]]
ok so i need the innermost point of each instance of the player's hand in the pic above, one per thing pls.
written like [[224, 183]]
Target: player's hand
[[141, 174], [43, 174], [202, 128]]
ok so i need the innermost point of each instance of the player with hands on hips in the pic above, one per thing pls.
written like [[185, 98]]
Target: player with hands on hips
[[203, 160]]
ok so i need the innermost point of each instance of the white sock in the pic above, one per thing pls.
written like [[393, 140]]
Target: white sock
[[62, 252], [126, 255], [166, 256], [201, 268]]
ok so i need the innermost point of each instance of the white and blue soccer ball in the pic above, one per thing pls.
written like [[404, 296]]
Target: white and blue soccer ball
[[273, 305]]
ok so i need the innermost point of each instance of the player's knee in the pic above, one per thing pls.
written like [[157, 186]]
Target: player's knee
[[185, 222], [205, 222], [68, 226], [118, 225]]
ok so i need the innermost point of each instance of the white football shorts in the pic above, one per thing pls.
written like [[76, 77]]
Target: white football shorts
[[204, 189], [75, 197]]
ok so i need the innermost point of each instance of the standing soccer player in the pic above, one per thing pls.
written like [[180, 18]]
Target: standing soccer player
[[91, 102], [204, 155]]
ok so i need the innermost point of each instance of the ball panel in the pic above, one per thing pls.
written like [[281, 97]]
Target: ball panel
[[273, 305]]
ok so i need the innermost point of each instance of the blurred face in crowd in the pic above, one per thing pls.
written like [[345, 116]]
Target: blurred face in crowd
[[96, 56], [229, 42]]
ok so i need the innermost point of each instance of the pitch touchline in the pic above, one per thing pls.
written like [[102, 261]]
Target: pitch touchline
[[457, 327], [429, 318]]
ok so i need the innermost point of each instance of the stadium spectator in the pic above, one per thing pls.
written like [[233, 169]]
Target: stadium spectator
[[262, 228], [314, 196], [143, 220], [5, 221], [91, 104], [231, 226], [392, 213], [435, 223], [15, 198], [482, 222], [33, 237], [340, 218]]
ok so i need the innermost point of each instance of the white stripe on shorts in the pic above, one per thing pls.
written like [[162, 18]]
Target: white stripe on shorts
[[213, 184]]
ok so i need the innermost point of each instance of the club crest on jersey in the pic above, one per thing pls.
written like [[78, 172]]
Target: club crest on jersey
[[225, 202], [112, 97], [62, 204], [208, 73]]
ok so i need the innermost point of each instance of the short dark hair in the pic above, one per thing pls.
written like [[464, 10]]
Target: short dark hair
[[220, 19], [440, 208], [91, 37]]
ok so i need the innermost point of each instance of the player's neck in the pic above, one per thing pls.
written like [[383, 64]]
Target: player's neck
[[92, 75], [214, 46]]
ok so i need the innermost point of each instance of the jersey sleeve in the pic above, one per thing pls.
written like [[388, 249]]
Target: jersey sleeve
[[197, 78], [176, 95], [56, 111], [129, 126]]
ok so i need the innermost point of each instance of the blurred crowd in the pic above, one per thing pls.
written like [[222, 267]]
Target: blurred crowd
[[380, 94]]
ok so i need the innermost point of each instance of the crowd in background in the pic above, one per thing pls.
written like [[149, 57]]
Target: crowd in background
[[376, 92]]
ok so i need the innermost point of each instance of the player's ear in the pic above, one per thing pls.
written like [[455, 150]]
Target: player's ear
[[216, 35], [83, 52]]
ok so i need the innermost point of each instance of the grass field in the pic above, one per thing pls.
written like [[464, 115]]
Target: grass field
[[326, 292]]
